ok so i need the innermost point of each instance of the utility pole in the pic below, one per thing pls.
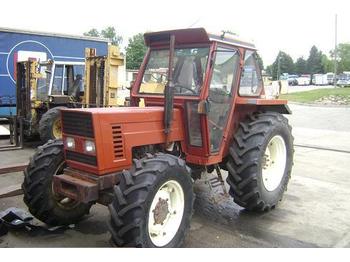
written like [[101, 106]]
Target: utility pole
[[335, 50]]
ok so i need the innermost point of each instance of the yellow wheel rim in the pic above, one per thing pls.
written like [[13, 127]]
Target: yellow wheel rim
[[56, 129]]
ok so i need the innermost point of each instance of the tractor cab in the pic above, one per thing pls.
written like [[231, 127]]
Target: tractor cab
[[51, 78], [42, 85], [209, 73], [60, 79]]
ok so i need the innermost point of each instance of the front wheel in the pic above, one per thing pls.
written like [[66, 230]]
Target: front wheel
[[42, 201], [153, 203], [260, 161]]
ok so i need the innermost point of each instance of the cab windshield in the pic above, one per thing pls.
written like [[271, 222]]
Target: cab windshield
[[188, 72]]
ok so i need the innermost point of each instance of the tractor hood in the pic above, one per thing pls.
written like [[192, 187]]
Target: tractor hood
[[114, 132]]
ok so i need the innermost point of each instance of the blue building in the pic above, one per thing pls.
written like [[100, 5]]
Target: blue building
[[17, 45]]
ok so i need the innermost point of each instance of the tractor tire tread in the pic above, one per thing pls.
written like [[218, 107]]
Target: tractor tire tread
[[130, 196], [37, 178], [243, 158]]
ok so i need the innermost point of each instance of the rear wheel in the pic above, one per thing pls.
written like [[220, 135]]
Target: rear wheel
[[50, 126], [45, 204], [153, 203], [260, 161]]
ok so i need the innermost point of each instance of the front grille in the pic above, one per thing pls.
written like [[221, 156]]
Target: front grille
[[86, 159], [118, 141], [77, 123]]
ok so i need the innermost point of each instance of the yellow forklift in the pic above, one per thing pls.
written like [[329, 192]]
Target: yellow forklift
[[102, 78], [44, 88]]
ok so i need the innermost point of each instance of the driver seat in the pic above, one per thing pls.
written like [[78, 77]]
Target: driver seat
[[75, 90]]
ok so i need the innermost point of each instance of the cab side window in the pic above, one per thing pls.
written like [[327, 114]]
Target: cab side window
[[251, 82], [57, 80], [220, 94], [73, 79]]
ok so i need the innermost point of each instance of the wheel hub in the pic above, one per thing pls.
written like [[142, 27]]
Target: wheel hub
[[56, 129], [267, 161], [161, 211], [165, 213]]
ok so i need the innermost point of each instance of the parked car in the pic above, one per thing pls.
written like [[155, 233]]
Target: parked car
[[292, 80], [344, 79]]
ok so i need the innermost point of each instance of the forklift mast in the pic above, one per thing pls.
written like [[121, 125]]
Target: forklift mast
[[101, 78], [27, 75], [26, 85]]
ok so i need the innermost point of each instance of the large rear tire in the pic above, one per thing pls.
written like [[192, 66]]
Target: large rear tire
[[260, 161], [50, 127], [42, 201], [153, 203]]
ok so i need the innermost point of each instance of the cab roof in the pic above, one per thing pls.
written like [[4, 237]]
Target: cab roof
[[193, 35]]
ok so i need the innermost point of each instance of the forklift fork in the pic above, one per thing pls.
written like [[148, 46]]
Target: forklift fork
[[16, 134]]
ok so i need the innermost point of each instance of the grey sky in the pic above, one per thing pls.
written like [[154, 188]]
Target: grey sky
[[291, 26]]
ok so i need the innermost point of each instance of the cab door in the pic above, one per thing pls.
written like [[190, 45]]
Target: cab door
[[220, 95]]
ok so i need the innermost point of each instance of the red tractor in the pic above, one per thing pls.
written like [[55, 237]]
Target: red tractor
[[204, 110]]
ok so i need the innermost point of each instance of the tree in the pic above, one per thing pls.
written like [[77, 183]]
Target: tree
[[92, 32], [108, 33], [135, 51], [300, 66], [327, 64], [111, 34], [260, 61], [283, 64], [269, 70], [343, 57], [314, 62]]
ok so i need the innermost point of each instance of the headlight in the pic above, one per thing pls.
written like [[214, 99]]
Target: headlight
[[70, 142], [89, 147]]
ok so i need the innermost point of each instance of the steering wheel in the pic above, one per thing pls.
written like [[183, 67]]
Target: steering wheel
[[219, 91], [185, 87]]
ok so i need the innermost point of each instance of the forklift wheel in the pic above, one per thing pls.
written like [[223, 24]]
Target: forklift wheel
[[260, 161], [153, 203], [39, 195], [50, 124]]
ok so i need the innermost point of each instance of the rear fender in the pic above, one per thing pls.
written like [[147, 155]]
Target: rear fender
[[282, 109]]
